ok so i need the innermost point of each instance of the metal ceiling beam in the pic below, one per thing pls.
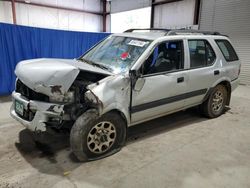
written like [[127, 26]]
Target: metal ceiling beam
[[164, 2]]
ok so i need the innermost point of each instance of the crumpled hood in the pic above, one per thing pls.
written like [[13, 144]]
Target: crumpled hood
[[52, 75]]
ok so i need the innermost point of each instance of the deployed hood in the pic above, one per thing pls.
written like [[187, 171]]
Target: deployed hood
[[52, 75]]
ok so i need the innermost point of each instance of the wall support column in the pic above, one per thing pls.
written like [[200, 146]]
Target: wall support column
[[13, 6], [104, 16], [152, 14]]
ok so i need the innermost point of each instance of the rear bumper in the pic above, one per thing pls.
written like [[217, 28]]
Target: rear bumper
[[43, 111], [234, 84]]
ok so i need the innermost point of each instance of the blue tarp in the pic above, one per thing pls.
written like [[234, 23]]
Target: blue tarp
[[20, 43]]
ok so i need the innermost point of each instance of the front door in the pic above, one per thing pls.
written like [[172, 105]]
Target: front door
[[161, 87]]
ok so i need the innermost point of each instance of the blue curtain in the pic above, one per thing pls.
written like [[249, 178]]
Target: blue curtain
[[20, 42]]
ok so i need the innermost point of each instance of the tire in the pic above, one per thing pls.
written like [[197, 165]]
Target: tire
[[214, 106], [94, 137]]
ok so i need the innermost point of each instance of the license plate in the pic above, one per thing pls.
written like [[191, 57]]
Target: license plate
[[19, 107]]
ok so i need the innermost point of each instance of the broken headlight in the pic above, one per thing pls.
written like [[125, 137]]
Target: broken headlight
[[90, 96]]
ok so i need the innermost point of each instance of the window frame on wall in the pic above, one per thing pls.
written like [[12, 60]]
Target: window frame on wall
[[122, 21], [207, 43]]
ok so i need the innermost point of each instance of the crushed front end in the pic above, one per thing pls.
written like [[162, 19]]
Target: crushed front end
[[52, 99], [34, 110]]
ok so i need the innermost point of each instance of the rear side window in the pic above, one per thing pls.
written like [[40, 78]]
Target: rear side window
[[201, 53], [227, 50]]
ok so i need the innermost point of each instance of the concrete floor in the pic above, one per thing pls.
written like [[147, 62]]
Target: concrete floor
[[180, 150]]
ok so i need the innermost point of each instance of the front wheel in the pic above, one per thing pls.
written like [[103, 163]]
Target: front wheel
[[94, 137], [214, 106]]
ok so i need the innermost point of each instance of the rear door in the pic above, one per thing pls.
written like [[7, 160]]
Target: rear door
[[204, 69]]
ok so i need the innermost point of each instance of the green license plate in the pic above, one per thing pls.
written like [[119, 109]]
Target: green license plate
[[19, 107]]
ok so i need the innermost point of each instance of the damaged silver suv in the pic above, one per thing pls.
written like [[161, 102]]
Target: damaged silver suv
[[124, 80]]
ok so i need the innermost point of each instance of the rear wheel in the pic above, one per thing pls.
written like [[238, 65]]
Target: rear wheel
[[94, 137], [214, 106]]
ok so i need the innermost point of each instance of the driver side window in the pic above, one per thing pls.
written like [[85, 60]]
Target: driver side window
[[167, 56]]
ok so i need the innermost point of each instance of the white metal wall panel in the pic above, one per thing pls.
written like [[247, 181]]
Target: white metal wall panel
[[231, 17], [54, 18], [176, 14], [5, 12], [91, 5]]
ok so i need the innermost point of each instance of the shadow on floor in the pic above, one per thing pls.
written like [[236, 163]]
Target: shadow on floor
[[51, 144], [57, 150], [164, 124], [53, 156]]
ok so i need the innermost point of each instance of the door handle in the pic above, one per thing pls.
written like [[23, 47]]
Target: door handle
[[216, 72], [181, 79]]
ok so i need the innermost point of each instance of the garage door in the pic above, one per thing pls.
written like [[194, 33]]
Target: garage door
[[230, 17]]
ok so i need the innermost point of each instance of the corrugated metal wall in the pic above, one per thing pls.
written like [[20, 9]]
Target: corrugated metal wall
[[174, 15], [231, 17]]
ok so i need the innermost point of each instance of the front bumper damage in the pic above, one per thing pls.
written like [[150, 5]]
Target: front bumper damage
[[43, 112]]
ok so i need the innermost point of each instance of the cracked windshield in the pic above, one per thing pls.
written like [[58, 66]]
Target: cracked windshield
[[116, 54]]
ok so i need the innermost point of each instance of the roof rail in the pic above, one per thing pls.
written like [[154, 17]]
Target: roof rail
[[191, 31], [176, 31], [147, 29]]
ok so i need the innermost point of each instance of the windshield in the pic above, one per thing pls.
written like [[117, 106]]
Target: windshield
[[116, 54]]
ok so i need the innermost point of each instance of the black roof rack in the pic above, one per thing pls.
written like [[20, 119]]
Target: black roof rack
[[191, 31], [176, 31], [146, 29]]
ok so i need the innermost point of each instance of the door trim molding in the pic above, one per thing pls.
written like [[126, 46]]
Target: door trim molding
[[168, 100]]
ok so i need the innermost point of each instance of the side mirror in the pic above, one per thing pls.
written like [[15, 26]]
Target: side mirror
[[133, 74], [136, 82]]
